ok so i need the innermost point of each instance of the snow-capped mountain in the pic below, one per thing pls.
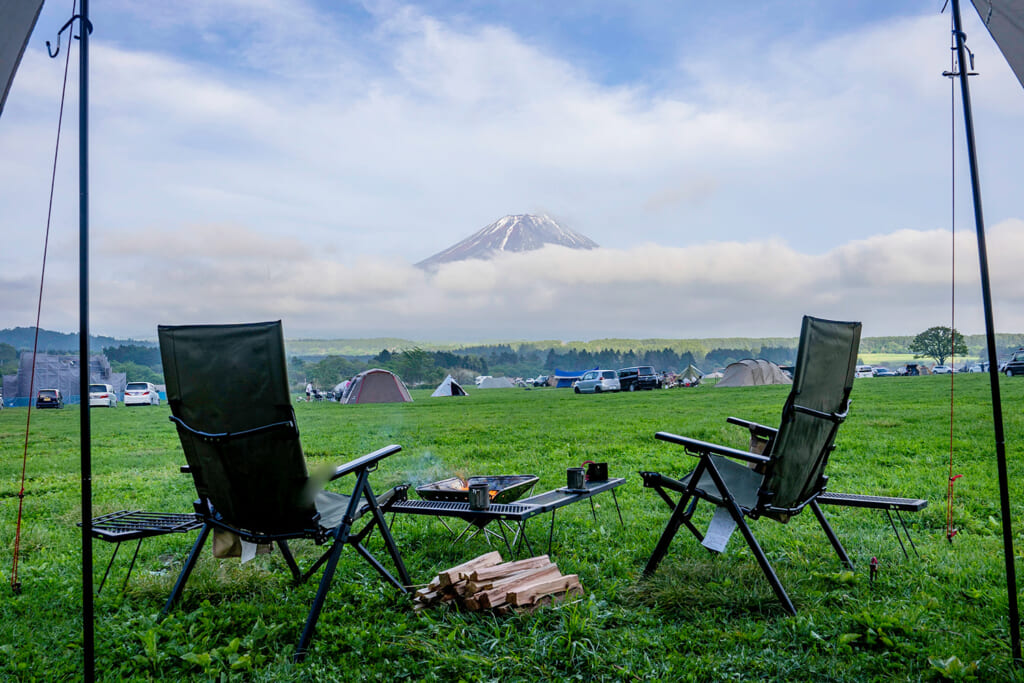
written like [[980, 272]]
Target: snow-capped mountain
[[523, 232]]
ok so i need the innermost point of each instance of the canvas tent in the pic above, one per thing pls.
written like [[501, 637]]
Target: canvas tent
[[376, 386], [691, 373], [497, 383], [750, 372], [449, 387]]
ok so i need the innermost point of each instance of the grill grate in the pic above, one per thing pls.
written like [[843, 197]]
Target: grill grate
[[430, 506]]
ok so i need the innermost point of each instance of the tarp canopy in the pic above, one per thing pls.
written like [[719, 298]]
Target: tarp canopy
[[497, 383], [1005, 21], [750, 372], [376, 386], [449, 387], [17, 19], [565, 378]]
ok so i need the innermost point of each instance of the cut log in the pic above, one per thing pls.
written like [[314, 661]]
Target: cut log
[[506, 568], [478, 586], [498, 595], [486, 582], [527, 593], [450, 576]]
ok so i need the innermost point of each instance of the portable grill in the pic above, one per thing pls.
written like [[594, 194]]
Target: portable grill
[[503, 488]]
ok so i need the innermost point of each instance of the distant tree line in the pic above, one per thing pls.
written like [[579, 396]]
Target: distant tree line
[[415, 366], [139, 363]]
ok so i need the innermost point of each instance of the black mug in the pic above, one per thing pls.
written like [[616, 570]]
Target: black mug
[[574, 478], [479, 494]]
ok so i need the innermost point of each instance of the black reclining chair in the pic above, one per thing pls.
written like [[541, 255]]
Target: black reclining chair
[[227, 387], [790, 474]]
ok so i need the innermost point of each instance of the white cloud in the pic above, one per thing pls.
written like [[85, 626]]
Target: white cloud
[[896, 284], [285, 166]]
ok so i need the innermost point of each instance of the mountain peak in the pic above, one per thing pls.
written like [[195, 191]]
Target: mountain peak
[[521, 232]]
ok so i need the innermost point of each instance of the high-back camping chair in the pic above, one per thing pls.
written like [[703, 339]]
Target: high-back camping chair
[[227, 386], [789, 474]]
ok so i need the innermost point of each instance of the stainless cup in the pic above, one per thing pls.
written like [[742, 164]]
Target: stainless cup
[[479, 494], [574, 478]]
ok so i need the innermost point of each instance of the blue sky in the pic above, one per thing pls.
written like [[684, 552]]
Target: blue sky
[[261, 160]]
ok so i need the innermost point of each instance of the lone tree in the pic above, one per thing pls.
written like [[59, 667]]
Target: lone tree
[[935, 343]]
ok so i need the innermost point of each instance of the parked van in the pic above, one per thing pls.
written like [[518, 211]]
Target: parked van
[[49, 398], [141, 394], [864, 371], [596, 381], [102, 395]]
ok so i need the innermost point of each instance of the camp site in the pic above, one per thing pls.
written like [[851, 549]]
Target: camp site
[[279, 302]]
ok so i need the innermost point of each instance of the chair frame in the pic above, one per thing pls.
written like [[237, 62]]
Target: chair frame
[[302, 523], [691, 493], [340, 535]]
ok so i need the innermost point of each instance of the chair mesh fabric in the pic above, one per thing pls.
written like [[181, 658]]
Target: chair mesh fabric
[[742, 482], [230, 378], [826, 362]]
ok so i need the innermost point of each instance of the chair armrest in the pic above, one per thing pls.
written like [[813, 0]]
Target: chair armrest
[[760, 430], [369, 460], [697, 447]]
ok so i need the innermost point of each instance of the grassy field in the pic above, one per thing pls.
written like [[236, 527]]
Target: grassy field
[[939, 617]]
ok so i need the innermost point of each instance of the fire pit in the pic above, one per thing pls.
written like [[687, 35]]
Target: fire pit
[[503, 488]]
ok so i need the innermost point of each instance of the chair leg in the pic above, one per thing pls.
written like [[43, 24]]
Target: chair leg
[[289, 559], [833, 539], [190, 564], [389, 540], [748, 535], [678, 517], [318, 603], [762, 559]]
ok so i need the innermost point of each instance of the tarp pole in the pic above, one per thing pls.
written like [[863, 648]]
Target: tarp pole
[[85, 427], [993, 369]]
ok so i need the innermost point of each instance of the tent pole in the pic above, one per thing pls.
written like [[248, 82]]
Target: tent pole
[[993, 370], [85, 427]]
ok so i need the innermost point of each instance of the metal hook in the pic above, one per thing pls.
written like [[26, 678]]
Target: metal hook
[[67, 24]]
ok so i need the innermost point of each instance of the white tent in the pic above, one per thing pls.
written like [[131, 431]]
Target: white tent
[[497, 383], [449, 387]]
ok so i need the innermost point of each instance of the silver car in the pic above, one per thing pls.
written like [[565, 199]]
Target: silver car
[[596, 381]]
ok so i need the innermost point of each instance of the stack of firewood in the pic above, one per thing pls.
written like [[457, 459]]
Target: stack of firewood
[[487, 582]]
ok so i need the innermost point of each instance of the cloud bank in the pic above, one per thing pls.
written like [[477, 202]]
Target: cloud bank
[[291, 162], [898, 283]]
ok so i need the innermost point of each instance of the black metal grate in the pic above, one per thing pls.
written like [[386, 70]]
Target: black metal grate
[[432, 506], [127, 525]]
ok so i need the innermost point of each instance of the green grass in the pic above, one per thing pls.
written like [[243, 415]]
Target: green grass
[[700, 618]]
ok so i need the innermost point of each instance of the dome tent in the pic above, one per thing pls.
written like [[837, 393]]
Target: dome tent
[[376, 386], [750, 372]]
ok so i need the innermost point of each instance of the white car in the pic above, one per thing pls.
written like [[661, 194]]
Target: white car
[[102, 395], [864, 371], [141, 394], [596, 381], [942, 370]]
